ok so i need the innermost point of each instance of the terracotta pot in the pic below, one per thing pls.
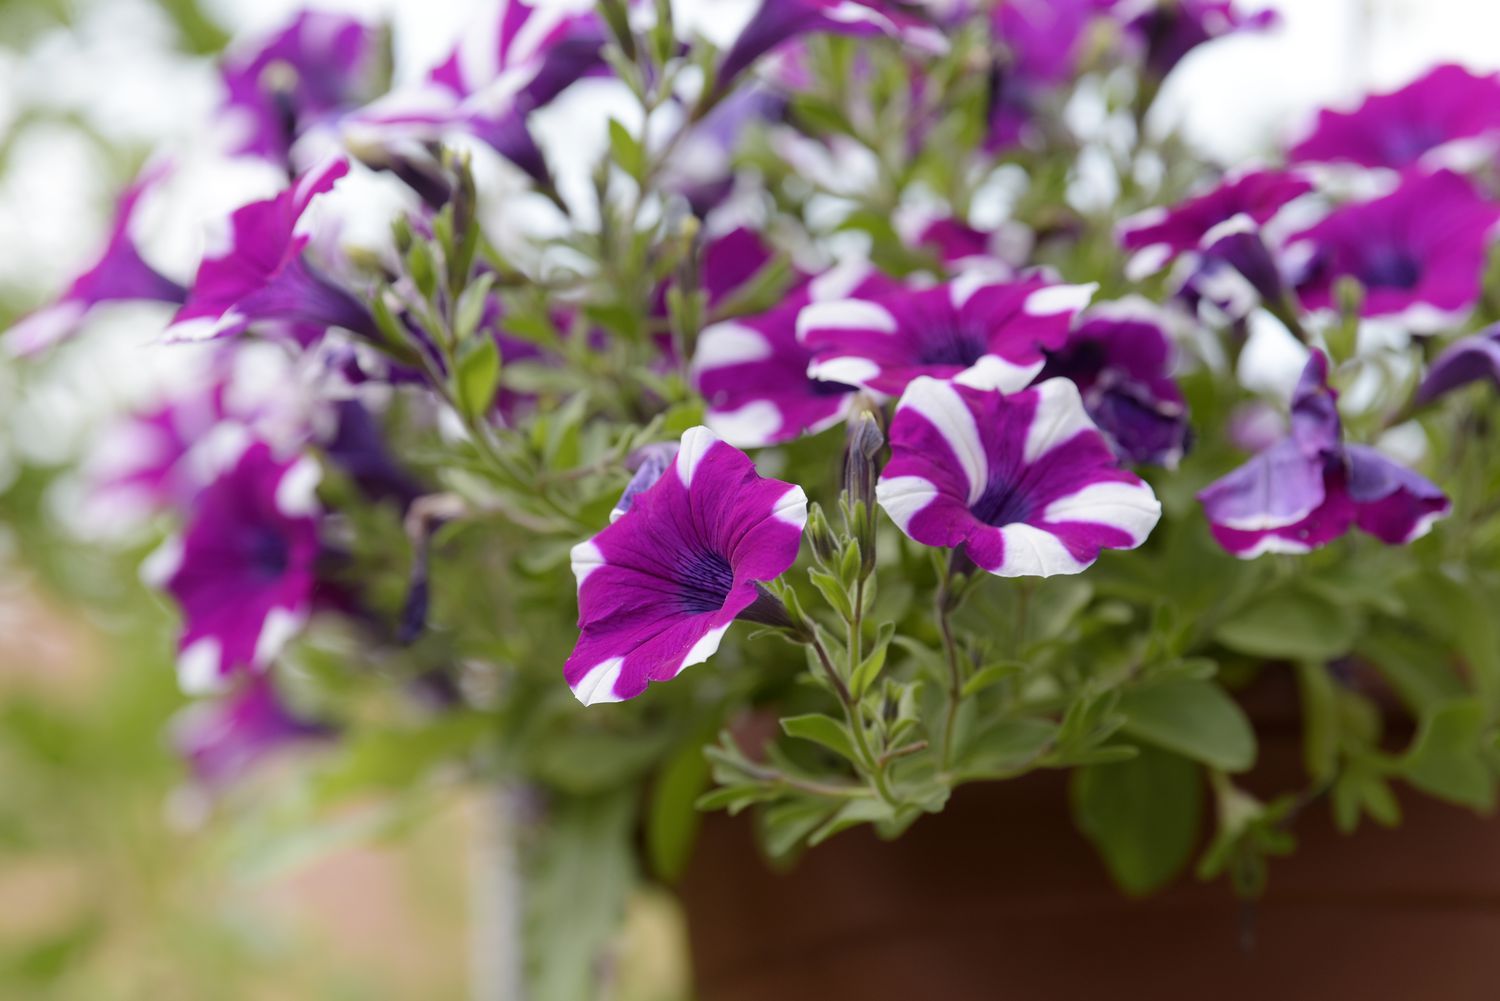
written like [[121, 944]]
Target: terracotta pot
[[999, 897]]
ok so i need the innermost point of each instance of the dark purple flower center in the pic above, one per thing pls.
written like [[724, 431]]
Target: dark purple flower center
[[1081, 361], [265, 553], [1002, 503], [1387, 266], [705, 579], [956, 344]]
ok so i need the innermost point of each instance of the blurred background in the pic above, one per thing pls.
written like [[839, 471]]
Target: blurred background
[[118, 879]]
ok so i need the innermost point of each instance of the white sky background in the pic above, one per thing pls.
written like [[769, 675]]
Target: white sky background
[[1235, 99]]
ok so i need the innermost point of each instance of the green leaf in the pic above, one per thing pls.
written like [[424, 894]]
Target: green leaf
[[1291, 623], [1142, 815], [478, 377], [672, 820], [625, 150], [851, 814], [1196, 719], [992, 674], [820, 729], [1008, 746], [1447, 757]]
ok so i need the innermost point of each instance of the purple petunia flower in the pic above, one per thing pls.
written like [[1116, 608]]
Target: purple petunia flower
[[242, 571], [317, 68], [752, 370], [1464, 361], [998, 329], [1419, 251], [658, 588], [264, 275], [118, 275], [1024, 483], [1438, 117], [1309, 488], [1170, 29], [1120, 358], [223, 739], [1044, 38], [778, 21]]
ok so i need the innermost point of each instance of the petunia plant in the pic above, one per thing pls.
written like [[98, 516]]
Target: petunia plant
[[826, 443]]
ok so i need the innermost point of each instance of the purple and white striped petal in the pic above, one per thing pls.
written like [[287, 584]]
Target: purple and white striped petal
[[1024, 482], [223, 739], [658, 588], [242, 571], [989, 332]]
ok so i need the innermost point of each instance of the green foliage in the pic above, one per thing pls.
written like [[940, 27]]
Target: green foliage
[[1144, 815]]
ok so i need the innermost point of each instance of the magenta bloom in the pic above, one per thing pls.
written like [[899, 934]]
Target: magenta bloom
[[1412, 125], [779, 21], [1309, 488], [264, 274], [1024, 483], [658, 589], [1467, 360], [1170, 29], [1419, 251], [316, 69], [1159, 235], [242, 572], [1044, 38], [224, 739], [752, 370], [118, 275], [1000, 329], [1120, 358]]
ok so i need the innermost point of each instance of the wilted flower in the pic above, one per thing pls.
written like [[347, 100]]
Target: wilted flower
[[1309, 488], [658, 589], [1419, 252], [752, 371], [1120, 358], [1024, 483], [264, 275], [242, 571], [1427, 121], [118, 275], [317, 68], [223, 739], [999, 329]]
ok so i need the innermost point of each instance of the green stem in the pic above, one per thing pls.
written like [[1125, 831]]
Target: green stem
[[854, 717]]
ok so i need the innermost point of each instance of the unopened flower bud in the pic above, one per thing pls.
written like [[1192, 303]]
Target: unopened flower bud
[[649, 463], [825, 547]]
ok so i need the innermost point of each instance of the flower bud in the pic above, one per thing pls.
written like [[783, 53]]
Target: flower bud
[[862, 447], [825, 547], [649, 463]]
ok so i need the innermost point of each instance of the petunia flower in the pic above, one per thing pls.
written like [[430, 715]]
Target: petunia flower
[[1120, 358], [221, 740], [1000, 329], [1024, 482], [1419, 252], [778, 21], [242, 571], [1309, 488], [658, 588], [1440, 119], [308, 74], [1466, 360], [264, 274], [752, 370], [1044, 39], [1170, 29], [119, 274]]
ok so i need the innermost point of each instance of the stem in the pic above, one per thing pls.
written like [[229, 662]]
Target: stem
[[496, 956], [853, 716], [943, 607]]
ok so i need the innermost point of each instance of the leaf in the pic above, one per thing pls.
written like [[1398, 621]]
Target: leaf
[[1142, 815], [478, 377], [1193, 718], [1009, 746], [1292, 624], [625, 150], [1447, 757], [852, 814], [672, 819], [820, 729], [992, 674]]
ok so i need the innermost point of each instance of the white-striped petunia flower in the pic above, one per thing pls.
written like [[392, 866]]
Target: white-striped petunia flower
[[1025, 483]]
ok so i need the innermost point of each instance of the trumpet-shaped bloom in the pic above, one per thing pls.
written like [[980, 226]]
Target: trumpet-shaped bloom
[[779, 21], [119, 274], [1428, 119], [1120, 358], [658, 588], [1419, 251], [223, 739], [264, 275], [999, 329], [242, 571], [752, 370], [1464, 361], [1045, 38], [317, 68], [1309, 488], [1024, 482]]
